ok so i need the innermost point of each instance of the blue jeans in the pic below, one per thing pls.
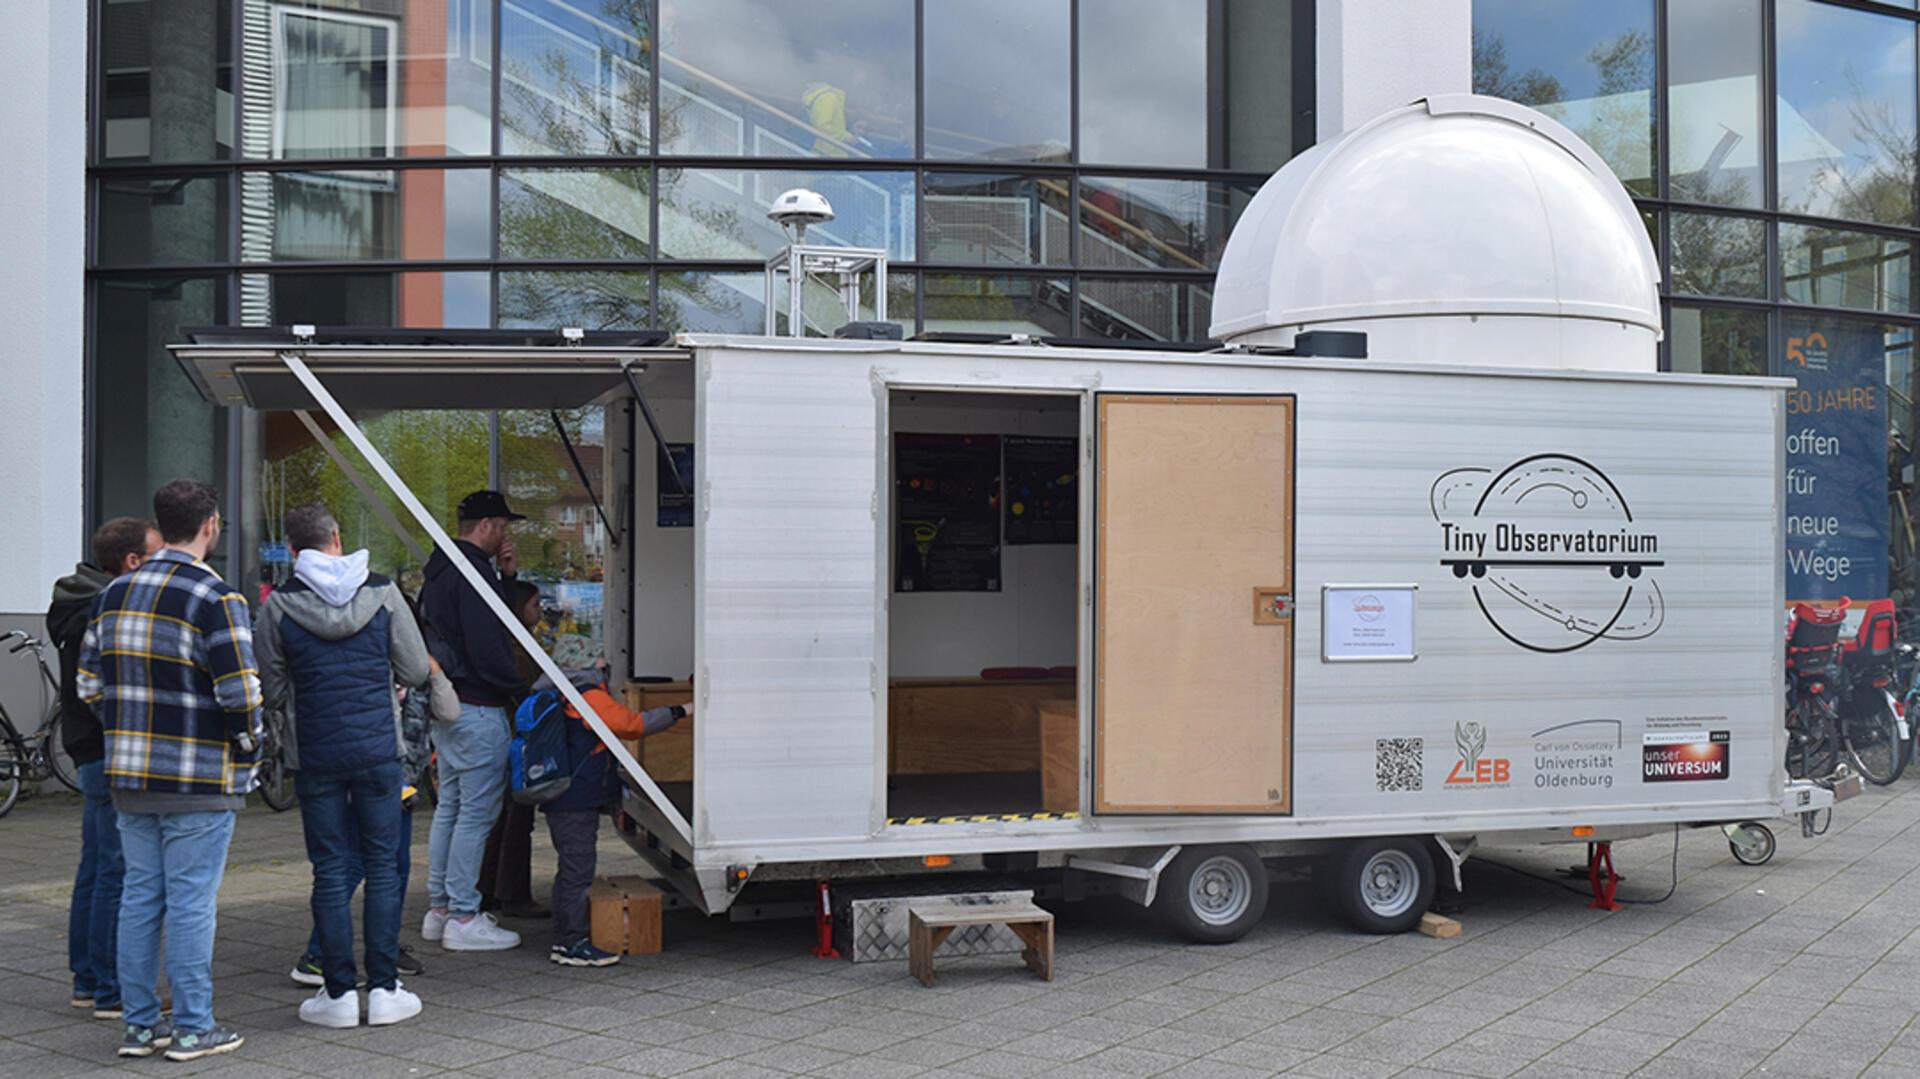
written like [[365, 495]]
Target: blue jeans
[[174, 865], [473, 776], [403, 860], [352, 824], [93, 918]]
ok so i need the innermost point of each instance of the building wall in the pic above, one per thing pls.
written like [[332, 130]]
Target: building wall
[[43, 120]]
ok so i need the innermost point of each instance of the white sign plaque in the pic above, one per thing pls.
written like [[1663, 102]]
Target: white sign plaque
[[1361, 622]]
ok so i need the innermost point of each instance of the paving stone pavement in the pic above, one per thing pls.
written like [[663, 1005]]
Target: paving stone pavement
[[1809, 966]]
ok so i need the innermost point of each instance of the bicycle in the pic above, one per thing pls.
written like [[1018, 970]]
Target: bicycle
[[40, 755], [1872, 725], [1813, 671], [1908, 667]]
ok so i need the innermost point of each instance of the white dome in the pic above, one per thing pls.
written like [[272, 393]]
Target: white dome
[[1460, 229]]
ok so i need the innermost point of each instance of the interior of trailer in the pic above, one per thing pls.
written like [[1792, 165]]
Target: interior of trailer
[[982, 623]]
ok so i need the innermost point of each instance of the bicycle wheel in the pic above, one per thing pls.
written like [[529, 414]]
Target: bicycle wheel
[[276, 785], [1872, 735], [59, 761], [10, 776], [1811, 752]]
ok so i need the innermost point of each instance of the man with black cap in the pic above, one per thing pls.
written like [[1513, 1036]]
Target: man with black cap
[[478, 654]]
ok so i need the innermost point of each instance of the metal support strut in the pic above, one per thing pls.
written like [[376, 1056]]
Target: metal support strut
[[1599, 858]]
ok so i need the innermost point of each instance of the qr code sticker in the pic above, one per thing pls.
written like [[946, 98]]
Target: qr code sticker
[[1398, 763]]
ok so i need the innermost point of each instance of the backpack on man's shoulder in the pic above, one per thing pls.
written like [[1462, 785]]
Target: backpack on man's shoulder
[[539, 765]]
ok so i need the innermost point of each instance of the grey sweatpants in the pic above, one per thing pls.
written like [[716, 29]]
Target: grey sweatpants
[[576, 837]]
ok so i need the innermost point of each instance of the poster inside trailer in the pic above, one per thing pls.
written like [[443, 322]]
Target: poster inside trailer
[[1836, 480]]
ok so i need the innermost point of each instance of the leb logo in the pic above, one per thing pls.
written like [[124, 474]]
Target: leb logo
[[1473, 769]]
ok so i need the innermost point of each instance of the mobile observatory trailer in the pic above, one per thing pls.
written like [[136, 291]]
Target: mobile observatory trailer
[[1498, 580]]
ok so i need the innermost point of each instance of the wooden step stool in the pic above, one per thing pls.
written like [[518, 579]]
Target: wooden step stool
[[929, 924]]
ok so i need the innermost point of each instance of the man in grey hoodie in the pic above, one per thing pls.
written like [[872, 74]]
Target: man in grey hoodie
[[331, 645]]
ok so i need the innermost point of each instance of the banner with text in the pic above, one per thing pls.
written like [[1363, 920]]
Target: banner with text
[[1836, 499]]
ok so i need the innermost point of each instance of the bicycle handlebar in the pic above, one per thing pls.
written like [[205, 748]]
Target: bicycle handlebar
[[28, 643]]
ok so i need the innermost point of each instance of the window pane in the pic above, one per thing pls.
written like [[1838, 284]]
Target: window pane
[[997, 75], [157, 427], [574, 76], [1845, 269], [562, 543], [1846, 113], [1586, 63], [162, 220], [722, 213], [1186, 83], [408, 300], [167, 81], [1719, 256], [349, 214], [441, 455], [573, 213], [1131, 309], [1714, 102], [1019, 220], [387, 80], [588, 300], [962, 303], [831, 78], [1717, 340], [701, 302], [1134, 223]]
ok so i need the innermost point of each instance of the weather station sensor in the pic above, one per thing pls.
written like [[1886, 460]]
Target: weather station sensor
[[821, 281]]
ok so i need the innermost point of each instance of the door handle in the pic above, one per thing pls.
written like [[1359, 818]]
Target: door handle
[[1272, 606]]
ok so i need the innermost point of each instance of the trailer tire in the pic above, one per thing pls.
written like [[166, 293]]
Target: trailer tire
[[1212, 895], [1382, 885]]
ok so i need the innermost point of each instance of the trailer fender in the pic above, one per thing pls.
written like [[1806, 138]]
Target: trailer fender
[[1140, 883]]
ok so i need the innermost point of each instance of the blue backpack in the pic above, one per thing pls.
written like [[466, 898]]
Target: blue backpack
[[540, 767]]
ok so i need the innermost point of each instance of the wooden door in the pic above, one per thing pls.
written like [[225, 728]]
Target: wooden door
[[1193, 626]]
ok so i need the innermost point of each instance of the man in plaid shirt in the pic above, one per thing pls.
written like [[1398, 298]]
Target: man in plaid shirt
[[167, 664]]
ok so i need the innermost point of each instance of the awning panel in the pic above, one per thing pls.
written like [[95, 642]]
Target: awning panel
[[482, 377]]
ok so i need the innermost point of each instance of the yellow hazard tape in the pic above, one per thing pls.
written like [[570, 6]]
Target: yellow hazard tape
[[981, 818]]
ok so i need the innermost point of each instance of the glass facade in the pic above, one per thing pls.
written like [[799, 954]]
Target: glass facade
[[1772, 146], [1066, 167]]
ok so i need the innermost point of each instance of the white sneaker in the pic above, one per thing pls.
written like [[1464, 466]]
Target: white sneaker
[[386, 1006], [480, 933], [434, 924], [340, 1013]]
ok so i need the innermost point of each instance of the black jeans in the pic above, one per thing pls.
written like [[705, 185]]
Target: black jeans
[[506, 869], [576, 837]]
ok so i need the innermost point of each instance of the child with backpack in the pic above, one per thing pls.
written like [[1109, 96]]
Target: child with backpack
[[559, 764]]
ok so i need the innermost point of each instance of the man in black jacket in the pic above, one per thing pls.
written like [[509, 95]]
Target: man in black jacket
[[93, 917], [473, 749]]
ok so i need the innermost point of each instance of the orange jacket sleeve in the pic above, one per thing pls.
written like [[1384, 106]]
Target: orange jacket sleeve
[[624, 722]]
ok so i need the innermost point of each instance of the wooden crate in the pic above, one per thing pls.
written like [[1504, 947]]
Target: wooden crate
[[623, 915]]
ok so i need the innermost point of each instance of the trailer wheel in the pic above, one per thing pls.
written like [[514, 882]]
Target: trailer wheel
[[1752, 843], [1382, 885], [1212, 895]]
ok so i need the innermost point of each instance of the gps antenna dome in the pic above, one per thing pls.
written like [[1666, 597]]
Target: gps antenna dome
[[798, 208]]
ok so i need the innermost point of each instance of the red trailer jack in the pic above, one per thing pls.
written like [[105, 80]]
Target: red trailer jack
[[823, 926], [1599, 859]]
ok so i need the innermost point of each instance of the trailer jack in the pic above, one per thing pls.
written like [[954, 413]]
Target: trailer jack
[[823, 925], [1599, 859]]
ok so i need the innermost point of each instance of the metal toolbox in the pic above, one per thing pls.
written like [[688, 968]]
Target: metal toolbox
[[870, 921]]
